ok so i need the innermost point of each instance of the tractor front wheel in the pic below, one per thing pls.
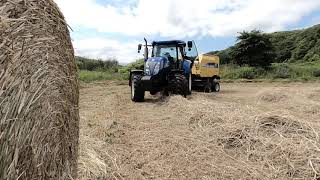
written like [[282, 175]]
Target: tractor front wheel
[[137, 91]]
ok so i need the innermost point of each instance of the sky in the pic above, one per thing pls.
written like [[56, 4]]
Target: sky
[[107, 29]]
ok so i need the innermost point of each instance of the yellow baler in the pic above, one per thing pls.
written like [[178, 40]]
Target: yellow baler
[[206, 72]]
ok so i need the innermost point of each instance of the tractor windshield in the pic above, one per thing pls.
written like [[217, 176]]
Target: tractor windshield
[[169, 52]]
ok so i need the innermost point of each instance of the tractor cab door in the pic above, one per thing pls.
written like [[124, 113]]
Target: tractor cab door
[[192, 52]]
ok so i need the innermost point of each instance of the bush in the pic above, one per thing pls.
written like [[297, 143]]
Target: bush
[[237, 72], [247, 73], [254, 49], [90, 76], [97, 65], [316, 73], [315, 57], [139, 64], [282, 71]]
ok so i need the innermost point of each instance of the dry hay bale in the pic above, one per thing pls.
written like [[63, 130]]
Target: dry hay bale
[[39, 118], [272, 96]]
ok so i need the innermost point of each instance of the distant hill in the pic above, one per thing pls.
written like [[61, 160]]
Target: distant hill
[[289, 46]]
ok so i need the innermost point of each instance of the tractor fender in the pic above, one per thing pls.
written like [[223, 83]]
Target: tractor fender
[[134, 72], [187, 65]]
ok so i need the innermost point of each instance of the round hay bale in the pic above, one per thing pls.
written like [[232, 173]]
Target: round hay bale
[[39, 94]]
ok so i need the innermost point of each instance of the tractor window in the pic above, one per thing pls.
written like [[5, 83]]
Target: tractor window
[[165, 51], [180, 53], [193, 53]]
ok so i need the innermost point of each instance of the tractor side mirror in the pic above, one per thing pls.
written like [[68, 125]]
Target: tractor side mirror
[[190, 44], [139, 48]]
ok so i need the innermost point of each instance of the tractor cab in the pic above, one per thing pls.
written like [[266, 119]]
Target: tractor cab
[[173, 55]]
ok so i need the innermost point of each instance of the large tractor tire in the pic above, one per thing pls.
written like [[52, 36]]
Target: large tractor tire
[[178, 84], [137, 90]]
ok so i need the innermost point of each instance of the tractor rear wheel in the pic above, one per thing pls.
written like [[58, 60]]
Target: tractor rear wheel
[[178, 84], [137, 91]]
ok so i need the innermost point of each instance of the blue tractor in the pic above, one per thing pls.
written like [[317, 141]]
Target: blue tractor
[[167, 70]]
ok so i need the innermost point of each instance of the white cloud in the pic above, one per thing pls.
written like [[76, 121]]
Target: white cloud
[[179, 19], [105, 48]]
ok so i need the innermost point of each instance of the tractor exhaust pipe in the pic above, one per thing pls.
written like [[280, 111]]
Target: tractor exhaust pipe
[[146, 50]]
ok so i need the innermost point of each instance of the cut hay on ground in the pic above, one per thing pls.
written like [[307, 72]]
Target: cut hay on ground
[[273, 145], [39, 118], [232, 134]]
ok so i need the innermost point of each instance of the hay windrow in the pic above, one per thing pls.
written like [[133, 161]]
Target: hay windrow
[[39, 118], [272, 96], [275, 144]]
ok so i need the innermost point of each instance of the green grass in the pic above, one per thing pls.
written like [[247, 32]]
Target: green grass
[[278, 71], [290, 71], [91, 76]]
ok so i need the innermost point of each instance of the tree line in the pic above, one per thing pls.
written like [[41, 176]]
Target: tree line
[[260, 49], [97, 65]]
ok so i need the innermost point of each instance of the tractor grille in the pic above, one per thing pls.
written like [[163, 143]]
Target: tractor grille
[[152, 68]]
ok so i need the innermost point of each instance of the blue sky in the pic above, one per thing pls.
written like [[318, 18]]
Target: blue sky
[[113, 28]]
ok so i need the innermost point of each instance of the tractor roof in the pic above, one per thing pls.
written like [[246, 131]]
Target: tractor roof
[[174, 42]]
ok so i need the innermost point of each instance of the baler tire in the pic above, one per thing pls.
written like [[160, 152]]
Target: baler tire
[[216, 87]]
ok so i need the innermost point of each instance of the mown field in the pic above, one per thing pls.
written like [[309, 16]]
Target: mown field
[[247, 131]]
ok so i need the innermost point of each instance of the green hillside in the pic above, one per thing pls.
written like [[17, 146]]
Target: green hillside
[[289, 46], [300, 45]]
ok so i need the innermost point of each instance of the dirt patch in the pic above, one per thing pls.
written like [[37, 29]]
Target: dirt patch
[[315, 95]]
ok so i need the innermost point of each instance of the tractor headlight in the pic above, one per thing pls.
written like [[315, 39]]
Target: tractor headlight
[[147, 69]]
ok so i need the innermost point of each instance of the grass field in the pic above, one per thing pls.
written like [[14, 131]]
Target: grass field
[[91, 76], [277, 72], [247, 131], [293, 71]]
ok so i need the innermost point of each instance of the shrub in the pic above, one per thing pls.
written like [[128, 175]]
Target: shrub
[[90, 76], [247, 73], [316, 57], [316, 73], [281, 71]]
